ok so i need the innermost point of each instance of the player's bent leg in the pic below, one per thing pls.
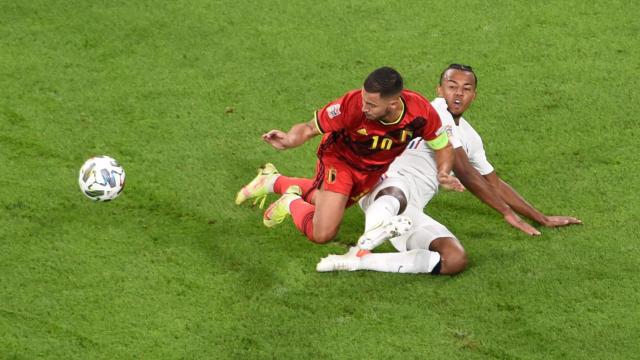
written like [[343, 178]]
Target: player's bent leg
[[430, 235], [380, 210], [396, 193], [416, 261], [386, 200], [328, 214], [452, 254], [445, 257]]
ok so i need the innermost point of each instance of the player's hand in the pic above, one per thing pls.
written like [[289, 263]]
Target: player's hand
[[515, 221], [450, 182], [277, 139], [557, 221]]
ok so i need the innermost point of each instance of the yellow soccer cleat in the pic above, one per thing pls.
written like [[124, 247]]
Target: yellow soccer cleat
[[279, 210], [258, 188]]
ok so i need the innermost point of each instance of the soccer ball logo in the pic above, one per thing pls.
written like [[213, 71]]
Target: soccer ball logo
[[101, 178]]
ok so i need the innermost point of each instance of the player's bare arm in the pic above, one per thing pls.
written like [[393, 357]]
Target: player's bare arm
[[297, 135], [444, 161], [522, 207], [481, 189]]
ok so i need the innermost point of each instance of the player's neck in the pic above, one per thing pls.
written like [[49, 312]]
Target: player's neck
[[456, 118], [394, 117]]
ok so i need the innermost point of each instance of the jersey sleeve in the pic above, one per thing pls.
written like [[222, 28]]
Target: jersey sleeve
[[337, 114], [477, 156], [440, 105]]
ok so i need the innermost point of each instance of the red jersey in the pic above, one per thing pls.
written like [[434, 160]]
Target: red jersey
[[370, 145]]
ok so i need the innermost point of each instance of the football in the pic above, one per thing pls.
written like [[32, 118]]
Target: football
[[101, 178]]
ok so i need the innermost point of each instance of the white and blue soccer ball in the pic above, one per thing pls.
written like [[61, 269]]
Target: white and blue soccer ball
[[101, 178]]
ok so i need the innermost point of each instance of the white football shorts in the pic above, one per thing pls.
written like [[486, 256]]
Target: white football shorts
[[423, 231], [418, 192]]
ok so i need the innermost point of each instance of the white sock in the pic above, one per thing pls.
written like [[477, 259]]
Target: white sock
[[415, 261], [381, 210], [291, 199]]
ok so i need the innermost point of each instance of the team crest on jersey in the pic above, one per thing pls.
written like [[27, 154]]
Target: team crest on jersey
[[332, 174], [333, 110], [362, 131]]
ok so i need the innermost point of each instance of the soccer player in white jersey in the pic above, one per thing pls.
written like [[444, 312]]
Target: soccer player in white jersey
[[410, 183]]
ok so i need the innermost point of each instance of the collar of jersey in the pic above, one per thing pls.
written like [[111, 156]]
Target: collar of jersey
[[404, 110]]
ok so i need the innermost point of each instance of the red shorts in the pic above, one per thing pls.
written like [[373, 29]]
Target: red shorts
[[333, 174]]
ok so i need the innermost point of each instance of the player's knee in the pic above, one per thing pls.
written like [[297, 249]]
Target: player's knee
[[454, 262], [322, 236], [396, 193], [452, 255]]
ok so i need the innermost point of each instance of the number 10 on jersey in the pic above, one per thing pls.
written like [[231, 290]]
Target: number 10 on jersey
[[386, 143]]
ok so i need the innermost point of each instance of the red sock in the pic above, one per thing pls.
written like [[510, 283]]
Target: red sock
[[302, 214], [283, 182]]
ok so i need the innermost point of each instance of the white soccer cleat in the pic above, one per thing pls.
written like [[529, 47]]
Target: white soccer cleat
[[346, 262], [396, 226]]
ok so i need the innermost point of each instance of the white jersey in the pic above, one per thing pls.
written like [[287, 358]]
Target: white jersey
[[415, 173], [418, 159]]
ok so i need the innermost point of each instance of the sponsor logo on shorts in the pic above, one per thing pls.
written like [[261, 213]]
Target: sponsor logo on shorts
[[333, 110]]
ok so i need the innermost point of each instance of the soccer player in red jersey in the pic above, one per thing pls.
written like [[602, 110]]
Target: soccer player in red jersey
[[363, 132]]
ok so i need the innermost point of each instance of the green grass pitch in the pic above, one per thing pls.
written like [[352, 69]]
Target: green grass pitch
[[180, 92]]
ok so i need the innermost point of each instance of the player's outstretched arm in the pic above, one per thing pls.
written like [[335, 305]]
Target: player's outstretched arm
[[444, 162], [481, 188], [522, 207], [297, 135]]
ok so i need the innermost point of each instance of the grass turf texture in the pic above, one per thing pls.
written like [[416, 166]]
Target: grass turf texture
[[180, 92]]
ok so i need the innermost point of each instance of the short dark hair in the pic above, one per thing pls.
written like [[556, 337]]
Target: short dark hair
[[462, 67], [385, 80]]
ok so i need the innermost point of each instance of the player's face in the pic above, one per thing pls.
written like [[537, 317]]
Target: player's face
[[458, 88], [376, 107]]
